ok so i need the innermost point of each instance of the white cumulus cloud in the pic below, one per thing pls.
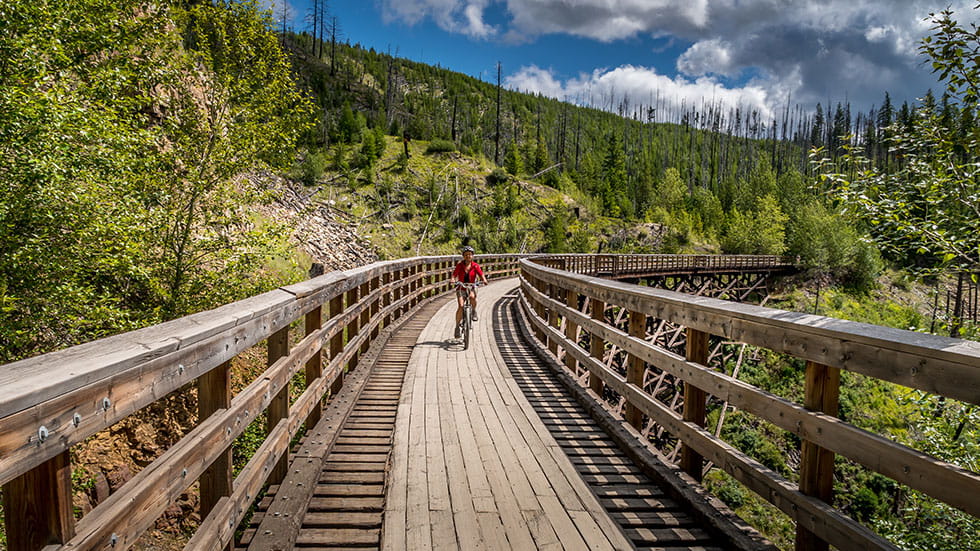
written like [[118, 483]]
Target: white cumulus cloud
[[813, 45], [465, 17], [607, 88], [704, 57]]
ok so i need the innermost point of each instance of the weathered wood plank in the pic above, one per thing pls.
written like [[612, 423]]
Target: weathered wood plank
[[695, 401], [37, 506]]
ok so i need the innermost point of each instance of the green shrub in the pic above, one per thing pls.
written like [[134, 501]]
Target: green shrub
[[440, 146], [498, 176], [312, 167], [732, 494]]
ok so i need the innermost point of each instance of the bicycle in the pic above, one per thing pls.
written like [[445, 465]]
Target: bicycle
[[466, 324]]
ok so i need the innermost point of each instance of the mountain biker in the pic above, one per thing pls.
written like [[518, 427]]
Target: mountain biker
[[466, 271]]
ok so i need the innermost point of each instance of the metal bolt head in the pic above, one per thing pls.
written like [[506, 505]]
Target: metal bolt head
[[113, 539], [42, 433], [106, 403], [183, 473], [76, 419]]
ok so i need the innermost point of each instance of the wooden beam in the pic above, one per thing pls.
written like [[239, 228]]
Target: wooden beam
[[635, 368], [597, 346], [822, 389], [278, 346], [553, 319], [353, 327], [695, 402], [314, 366], [214, 394], [365, 290], [337, 341], [37, 506], [571, 330]]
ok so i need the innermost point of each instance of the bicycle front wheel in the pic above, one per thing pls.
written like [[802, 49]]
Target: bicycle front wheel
[[467, 329]]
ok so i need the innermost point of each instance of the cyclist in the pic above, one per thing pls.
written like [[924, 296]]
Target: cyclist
[[466, 271]]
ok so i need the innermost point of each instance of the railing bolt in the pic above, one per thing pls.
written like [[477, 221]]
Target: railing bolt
[[113, 539], [106, 404], [76, 419], [183, 473], [180, 369], [42, 433]]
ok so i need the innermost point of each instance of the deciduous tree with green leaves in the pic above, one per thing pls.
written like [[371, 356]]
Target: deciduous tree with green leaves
[[930, 207]]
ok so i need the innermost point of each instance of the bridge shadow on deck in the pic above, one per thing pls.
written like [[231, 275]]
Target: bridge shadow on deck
[[646, 514]]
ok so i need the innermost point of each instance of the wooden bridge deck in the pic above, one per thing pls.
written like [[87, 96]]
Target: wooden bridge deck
[[482, 450], [473, 466]]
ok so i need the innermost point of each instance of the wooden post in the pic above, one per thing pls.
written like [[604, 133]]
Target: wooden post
[[695, 402], [213, 394], [278, 346], [365, 290], [635, 368], [396, 293], [314, 366], [571, 330], [352, 328], [597, 346], [822, 388], [37, 506], [540, 286], [375, 307], [337, 342], [416, 283], [386, 296], [553, 320]]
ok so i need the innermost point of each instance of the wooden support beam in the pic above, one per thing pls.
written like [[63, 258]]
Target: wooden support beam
[[396, 293], [214, 394], [822, 389], [365, 290], [314, 366], [553, 320], [375, 307], [353, 327], [386, 297], [695, 402], [597, 346], [571, 330], [37, 506], [337, 342], [635, 368], [278, 346]]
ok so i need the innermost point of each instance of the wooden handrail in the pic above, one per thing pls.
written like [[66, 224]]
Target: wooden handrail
[[939, 365], [54, 401]]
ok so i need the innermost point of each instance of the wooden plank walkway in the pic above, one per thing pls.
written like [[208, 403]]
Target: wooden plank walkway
[[473, 466]]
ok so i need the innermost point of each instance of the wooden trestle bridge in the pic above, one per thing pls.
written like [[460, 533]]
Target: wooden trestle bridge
[[577, 420]]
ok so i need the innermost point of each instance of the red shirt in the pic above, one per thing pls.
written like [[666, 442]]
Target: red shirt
[[470, 276]]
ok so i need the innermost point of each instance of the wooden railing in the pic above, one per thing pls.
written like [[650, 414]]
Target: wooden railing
[[52, 402], [552, 299], [634, 265]]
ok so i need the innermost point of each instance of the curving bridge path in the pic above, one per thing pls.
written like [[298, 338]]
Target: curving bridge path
[[576, 420]]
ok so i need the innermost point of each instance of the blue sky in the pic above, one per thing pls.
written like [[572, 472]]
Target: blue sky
[[754, 53]]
